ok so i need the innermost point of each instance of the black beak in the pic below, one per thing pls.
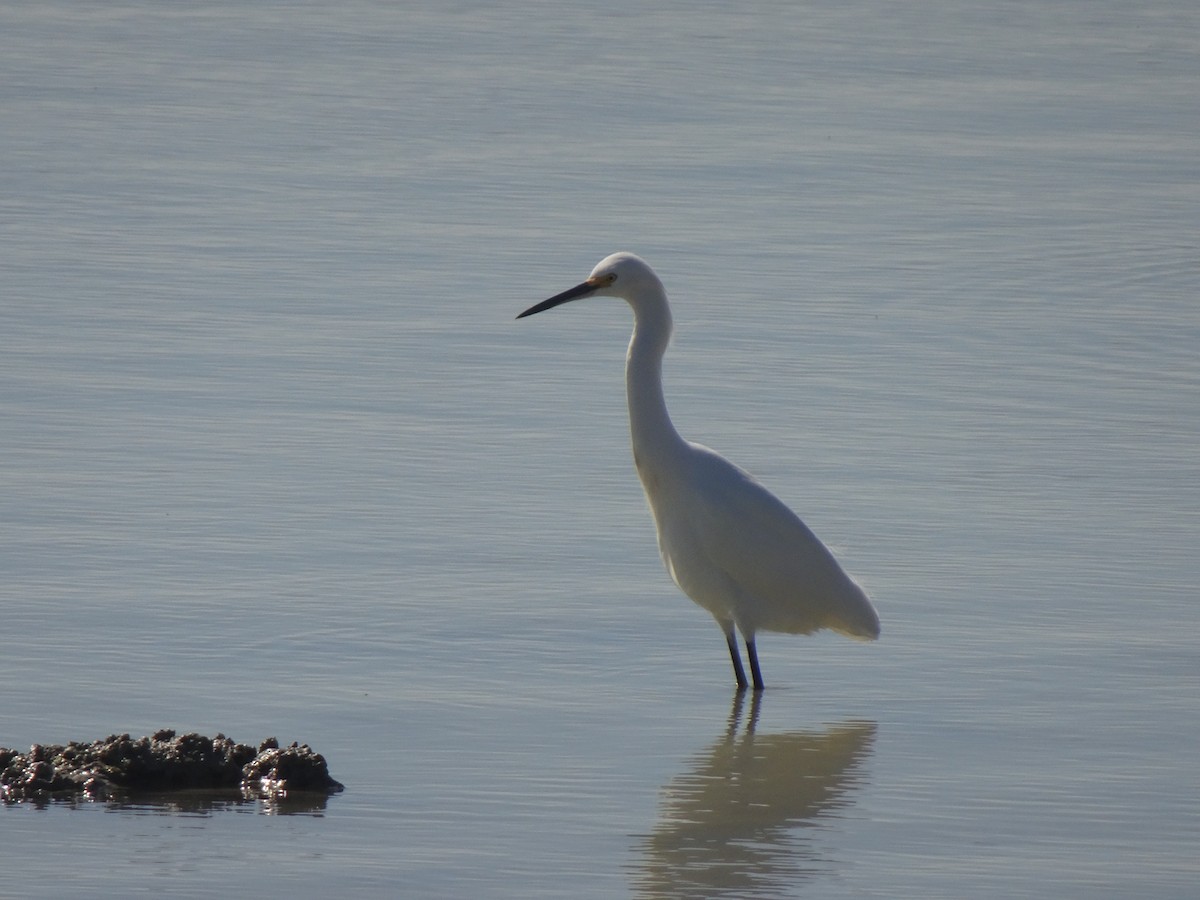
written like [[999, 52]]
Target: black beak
[[580, 290]]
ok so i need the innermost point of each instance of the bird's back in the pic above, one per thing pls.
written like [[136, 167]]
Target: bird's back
[[738, 551]]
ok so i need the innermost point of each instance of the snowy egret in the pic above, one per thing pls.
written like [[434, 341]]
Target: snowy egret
[[728, 542]]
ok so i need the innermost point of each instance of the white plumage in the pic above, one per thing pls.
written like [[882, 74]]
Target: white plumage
[[728, 542]]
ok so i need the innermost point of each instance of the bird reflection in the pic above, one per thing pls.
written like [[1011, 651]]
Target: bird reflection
[[733, 822]]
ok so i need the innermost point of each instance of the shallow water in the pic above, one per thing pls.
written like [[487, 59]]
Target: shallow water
[[278, 461]]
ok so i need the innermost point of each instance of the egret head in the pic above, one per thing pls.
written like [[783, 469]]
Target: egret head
[[620, 275]]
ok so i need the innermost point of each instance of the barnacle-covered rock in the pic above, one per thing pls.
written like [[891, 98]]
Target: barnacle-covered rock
[[275, 770], [119, 764]]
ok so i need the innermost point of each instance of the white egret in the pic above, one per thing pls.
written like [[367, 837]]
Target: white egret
[[728, 543]]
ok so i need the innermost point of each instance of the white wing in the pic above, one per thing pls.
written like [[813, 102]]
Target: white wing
[[788, 579]]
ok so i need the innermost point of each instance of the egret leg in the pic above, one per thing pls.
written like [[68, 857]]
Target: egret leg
[[738, 672], [755, 671]]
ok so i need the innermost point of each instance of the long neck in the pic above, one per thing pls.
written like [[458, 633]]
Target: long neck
[[649, 423]]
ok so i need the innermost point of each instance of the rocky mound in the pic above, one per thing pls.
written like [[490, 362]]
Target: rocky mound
[[119, 764]]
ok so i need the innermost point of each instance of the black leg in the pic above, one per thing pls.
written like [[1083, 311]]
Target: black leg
[[755, 671], [738, 672]]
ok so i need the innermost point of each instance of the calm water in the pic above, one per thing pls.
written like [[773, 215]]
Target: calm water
[[276, 459]]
